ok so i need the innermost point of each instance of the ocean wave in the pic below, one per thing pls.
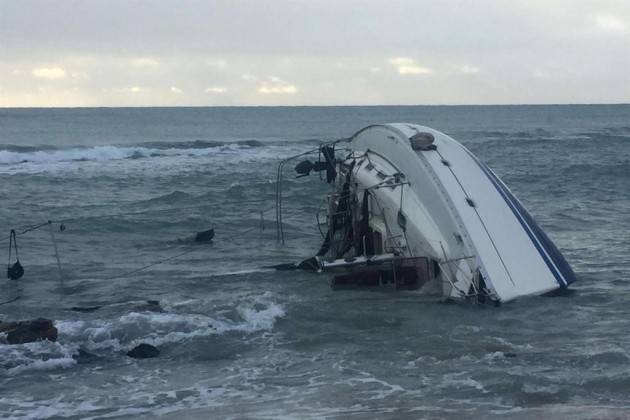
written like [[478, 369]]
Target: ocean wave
[[172, 197], [38, 356], [542, 137], [25, 149], [102, 337], [599, 170], [157, 329], [51, 408], [108, 153], [199, 144]]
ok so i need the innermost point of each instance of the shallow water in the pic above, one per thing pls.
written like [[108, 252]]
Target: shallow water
[[240, 342]]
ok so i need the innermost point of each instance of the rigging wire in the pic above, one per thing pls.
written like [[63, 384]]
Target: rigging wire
[[279, 178], [29, 228], [11, 300], [26, 229], [173, 257]]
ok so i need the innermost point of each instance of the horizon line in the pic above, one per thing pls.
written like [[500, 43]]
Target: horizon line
[[316, 106]]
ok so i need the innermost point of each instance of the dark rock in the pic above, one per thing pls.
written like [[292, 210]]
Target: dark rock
[[204, 236], [143, 351], [149, 306], [139, 305], [21, 332], [85, 308], [497, 348], [83, 357]]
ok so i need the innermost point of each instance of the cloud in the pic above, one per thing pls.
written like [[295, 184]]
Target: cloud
[[466, 69], [131, 89], [610, 23], [176, 90], [216, 89], [219, 63], [49, 73], [406, 65], [249, 77], [78, 75], [542, 74], [144, 62], [277, 86], [553, 73]]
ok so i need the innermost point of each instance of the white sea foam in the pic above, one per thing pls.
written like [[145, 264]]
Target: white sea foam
[[459, 381], [256, 320], [115, 158], [162, 328], [109, 152], [105, 153], [38, 356], [46, 409], [382, 390], [258, 313]]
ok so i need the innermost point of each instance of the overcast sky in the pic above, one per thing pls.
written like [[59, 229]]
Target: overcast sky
[[313, 52]]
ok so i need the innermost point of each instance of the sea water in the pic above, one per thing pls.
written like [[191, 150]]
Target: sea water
[[122, 185]]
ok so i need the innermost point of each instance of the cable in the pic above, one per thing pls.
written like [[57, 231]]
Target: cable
[[131, 213], [181, 254], [11, 300], [26, 229], [279, 227], [153, 264], [29, 228]]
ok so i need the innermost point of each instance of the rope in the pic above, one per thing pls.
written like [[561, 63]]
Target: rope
[[13, 243], [29, 228], [153, 264], [279, 227], [54, 242], [162, 261], [11, 300], [26, 229], [132, 213]]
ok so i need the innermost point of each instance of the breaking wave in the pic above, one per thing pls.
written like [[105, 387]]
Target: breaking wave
[[11, 156], [104, 337], [200, 144]]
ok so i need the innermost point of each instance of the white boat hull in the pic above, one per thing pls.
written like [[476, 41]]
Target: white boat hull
[[456, 211]]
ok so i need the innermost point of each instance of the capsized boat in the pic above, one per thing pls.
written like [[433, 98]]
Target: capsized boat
[[413, 208]]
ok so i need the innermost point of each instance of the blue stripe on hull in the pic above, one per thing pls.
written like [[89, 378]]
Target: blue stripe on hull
[[550, 254]]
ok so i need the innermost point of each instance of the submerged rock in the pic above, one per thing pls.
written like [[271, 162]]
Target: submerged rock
[[149, 306], [142, 305], [85, 308], [83, 357], [21, 332], [143, 351], [203, 236]]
